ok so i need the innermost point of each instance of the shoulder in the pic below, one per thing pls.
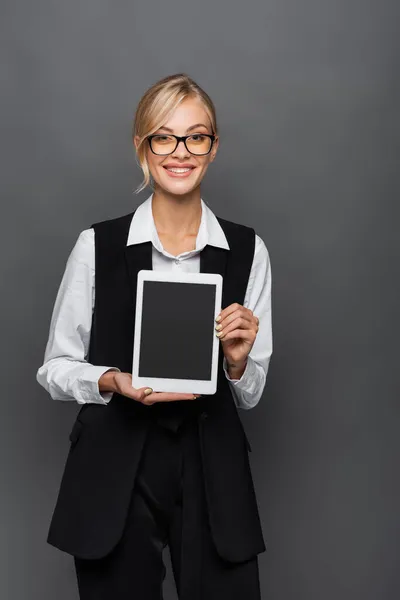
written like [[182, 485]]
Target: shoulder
[[84, 241], [83, 249], [109, 234], [261, 266], [241, 238], [236, 227], [261, 251], [113, 223]]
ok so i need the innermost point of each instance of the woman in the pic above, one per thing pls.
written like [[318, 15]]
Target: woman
[[149, 469]]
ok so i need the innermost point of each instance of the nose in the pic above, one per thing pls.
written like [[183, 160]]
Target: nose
[[180, 150]]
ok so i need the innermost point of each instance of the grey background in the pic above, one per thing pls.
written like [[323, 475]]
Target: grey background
[[307, 95]]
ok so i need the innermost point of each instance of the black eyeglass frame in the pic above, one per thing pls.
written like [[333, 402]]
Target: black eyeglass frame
[[183, 138]]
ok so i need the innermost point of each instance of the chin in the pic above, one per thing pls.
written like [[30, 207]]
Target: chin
[[178, 189]]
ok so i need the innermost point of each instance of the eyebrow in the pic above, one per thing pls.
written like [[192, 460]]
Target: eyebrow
[[189, 129]]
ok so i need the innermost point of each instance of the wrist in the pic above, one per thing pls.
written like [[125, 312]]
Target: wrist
[[107, 381], [236, 368]]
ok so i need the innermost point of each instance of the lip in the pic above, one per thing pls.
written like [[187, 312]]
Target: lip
[[179, 175]]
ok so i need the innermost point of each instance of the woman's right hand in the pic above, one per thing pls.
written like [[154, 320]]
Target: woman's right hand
[[122, 384]]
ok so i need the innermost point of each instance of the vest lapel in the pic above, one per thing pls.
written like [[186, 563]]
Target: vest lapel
[[217, 260], [213, 260], [137, 257]]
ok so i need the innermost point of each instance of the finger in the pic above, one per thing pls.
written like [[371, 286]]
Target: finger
[[238, 323], [132, 392], [241, 312], [167, 397], [152, 397], [228, 310], [143, 391], [247, 335]]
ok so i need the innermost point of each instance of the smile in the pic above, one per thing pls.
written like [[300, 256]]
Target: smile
[[178, 172]]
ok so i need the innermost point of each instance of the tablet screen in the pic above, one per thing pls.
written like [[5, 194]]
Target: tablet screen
[[177, 330]]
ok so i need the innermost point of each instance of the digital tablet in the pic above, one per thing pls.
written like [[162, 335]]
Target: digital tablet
[[175, 344]]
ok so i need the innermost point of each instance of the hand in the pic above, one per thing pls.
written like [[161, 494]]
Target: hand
[[238, 328], [123, 385]]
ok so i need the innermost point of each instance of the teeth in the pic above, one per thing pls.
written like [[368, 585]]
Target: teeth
[[177, 170]]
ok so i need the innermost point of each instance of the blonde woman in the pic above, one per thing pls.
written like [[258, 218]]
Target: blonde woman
[[145, 469]]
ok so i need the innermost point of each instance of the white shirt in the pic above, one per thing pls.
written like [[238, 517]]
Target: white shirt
[[65, 372]]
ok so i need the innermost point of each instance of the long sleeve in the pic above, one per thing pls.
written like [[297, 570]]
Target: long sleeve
[[248, 389], [65, 372]]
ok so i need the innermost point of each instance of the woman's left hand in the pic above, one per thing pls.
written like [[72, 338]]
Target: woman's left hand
[[238, 328]]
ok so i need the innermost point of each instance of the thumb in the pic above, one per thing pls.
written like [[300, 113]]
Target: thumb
[[143, 392]]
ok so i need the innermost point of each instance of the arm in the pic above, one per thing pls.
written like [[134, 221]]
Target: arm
[[65, 373], [248, 381]]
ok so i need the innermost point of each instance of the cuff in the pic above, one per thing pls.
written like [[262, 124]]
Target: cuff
[[247, 377], [89, 385]]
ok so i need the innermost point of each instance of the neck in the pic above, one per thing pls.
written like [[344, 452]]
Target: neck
[[177, 215]]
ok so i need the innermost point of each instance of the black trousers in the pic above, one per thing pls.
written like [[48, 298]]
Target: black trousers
[[167, 508]]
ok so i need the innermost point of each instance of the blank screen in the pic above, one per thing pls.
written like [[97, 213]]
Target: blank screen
[[177, 332]]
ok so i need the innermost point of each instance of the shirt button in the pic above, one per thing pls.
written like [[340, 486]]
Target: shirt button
[[177, 261], [203, 416]]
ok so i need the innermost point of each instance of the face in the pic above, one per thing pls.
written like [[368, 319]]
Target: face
[[189, 118]]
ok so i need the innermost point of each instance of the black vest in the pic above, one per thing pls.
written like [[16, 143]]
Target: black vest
[[106, 441]]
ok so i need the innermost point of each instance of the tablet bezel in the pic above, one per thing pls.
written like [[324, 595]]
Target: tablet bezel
[[159, 384]]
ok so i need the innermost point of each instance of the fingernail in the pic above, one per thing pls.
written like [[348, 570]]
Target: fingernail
[[147, 391], [218, 318]]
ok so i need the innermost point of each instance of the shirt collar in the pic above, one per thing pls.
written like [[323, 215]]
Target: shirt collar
[[142, 228]]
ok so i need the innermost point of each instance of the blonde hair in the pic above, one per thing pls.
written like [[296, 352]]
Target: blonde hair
[[155, 107]]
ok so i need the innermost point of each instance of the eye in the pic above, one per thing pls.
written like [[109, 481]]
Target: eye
[[198, 137], [163, 138]]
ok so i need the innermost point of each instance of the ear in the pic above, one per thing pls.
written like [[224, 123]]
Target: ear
[[136, 141], [214, 149]]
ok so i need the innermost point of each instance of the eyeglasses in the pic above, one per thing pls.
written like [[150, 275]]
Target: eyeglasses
[[197, 143]]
